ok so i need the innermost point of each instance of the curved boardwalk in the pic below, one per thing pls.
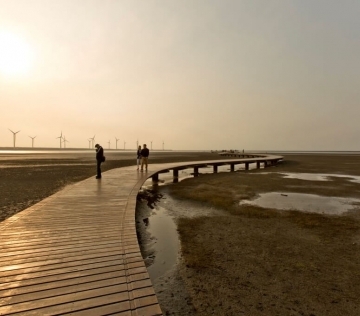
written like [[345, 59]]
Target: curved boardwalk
[[76, 252]]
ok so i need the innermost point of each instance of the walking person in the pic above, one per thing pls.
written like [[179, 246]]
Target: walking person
[[138, 157], [144, 157], [99, 159]]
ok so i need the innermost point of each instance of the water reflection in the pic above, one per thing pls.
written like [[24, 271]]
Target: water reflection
[[315, 176], [320, 176], [304, 202], [163, 249], [163, 228], [45, 165]]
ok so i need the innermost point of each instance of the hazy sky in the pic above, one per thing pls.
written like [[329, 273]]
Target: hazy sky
[[196, 74]]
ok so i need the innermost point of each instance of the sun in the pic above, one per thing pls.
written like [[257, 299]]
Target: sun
[[15, 55]]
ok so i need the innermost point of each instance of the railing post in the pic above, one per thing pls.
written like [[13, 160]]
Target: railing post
[[246, 166], [258, 164], [175, 176], [155, 177], [215, 168], [196, 171], [232, 167]]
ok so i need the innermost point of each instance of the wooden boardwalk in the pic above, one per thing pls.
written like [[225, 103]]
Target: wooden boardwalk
[[76, 252]]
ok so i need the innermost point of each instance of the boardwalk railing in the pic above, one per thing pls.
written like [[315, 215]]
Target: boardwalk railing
[[76, 252]]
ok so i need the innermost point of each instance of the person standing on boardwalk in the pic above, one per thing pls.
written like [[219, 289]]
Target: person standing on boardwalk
[[138, 157], [144, 157], [99, 159]]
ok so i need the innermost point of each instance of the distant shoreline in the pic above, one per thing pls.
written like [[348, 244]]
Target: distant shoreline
[[32, 149], [12, 150]]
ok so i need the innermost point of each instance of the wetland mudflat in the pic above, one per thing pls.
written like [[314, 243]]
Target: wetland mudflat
[[254, 260], [244, 260]]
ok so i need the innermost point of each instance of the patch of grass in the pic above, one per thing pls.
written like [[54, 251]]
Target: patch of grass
[[251, 211], [189, 229], [328, 227], [210, 194]]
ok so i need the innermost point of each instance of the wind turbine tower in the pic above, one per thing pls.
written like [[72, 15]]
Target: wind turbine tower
[[60, 137], [151, 145], [109, 143], [32, 141], [163, 145], [14, 136], [93, 140], [117, 139], [124, 145], [89, 143], [65, 141]]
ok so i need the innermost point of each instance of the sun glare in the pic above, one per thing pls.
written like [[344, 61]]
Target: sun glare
[[15, 55]]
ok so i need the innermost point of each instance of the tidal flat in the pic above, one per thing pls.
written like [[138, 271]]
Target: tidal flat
[[265, 261], [245, 259]]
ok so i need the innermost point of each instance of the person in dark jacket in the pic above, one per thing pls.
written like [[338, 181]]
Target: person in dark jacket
[[99, 159], [144, 157]]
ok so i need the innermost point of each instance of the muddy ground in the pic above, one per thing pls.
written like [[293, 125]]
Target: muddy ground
[[250, 261], [26, 179], [255, 261]]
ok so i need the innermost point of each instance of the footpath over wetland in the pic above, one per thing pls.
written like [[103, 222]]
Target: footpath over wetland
[[245, 260]]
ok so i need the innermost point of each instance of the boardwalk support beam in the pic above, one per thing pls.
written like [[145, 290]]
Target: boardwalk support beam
[[196, 171]]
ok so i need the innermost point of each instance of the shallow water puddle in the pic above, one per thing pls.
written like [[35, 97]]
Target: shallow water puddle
[[163, 228], [46, 165], [314, 176], [306, 176], [304, 202], [161, 224], [320, 176]]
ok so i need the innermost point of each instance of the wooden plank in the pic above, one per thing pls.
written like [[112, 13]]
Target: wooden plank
[[76, 252]]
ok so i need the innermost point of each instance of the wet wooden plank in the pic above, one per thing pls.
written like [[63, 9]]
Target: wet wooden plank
[[76, 252]]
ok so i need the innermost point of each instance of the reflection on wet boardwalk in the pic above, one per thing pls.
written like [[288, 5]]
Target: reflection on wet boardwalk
[[77, 253]]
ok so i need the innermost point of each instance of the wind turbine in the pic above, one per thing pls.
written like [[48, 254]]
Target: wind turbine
[[124, 145], [137, 144], [14, 135], [89, 143], [65, 141], [117, 139], [32, 141], [151, 145], [60, 138], [93, 140], [163, 145], [109, 143]]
